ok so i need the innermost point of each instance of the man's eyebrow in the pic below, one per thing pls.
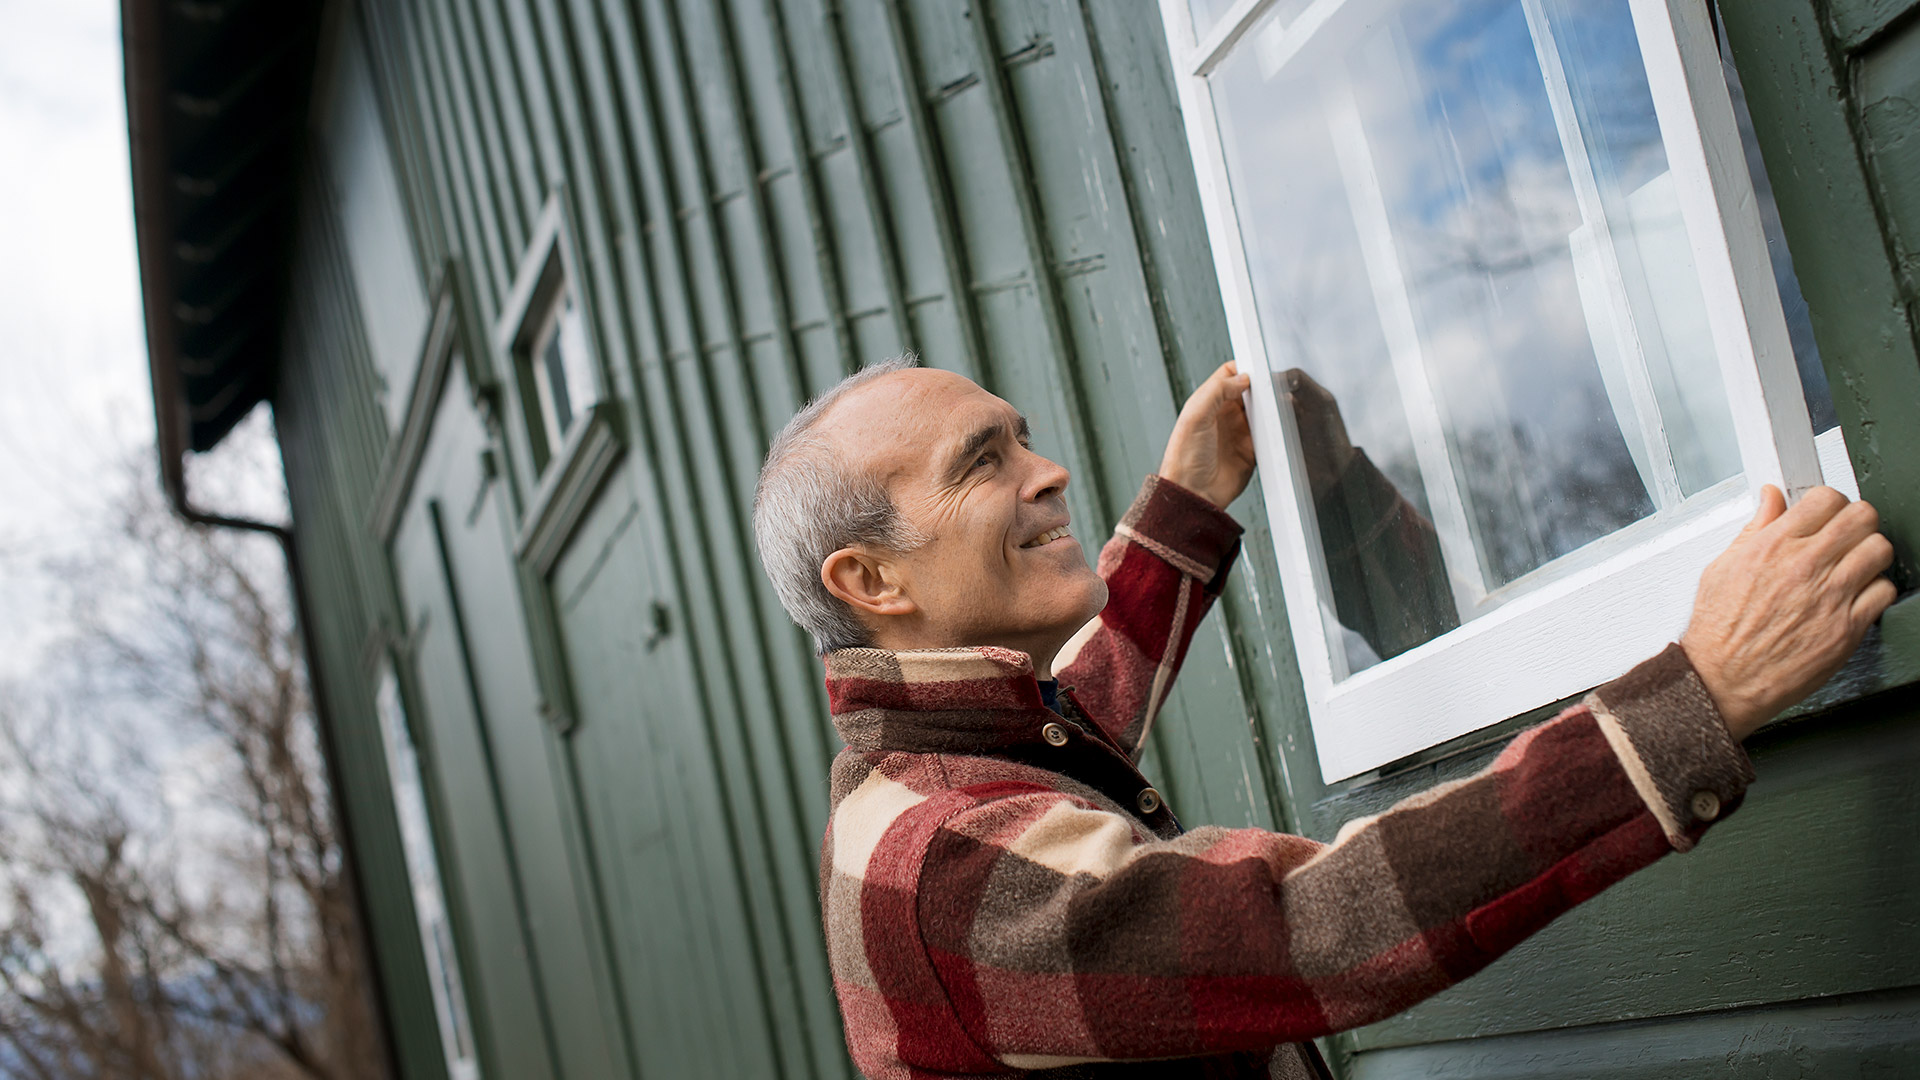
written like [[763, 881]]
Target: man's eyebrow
[[980, 439]]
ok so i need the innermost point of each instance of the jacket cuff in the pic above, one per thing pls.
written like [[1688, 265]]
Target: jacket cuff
[[1194, 536], [1674, 745]]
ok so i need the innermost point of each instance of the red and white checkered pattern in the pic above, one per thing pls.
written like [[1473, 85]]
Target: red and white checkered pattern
[[998, 902]]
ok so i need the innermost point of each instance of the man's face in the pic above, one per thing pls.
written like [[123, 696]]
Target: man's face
[[996, 568]]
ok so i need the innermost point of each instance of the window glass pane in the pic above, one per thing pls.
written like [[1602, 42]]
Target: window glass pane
[[1463, 234], [553, 373], [575, 359], [562, 371]]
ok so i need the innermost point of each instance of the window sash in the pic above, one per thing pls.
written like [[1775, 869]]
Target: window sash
[[1632, 590]]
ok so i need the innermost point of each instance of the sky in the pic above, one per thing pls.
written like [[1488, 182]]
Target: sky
[[75, 401], [69, 300]]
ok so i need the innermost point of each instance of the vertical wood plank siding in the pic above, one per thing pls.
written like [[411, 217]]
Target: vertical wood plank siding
[[331, 444], [759, 197]]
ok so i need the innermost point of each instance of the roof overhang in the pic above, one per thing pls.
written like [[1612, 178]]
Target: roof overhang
[[217, 99]]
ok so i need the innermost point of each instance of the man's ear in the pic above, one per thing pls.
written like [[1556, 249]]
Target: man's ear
[[862, 580]]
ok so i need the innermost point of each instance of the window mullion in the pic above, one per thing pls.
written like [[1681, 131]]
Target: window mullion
[[1617, 342], [1423, 406]]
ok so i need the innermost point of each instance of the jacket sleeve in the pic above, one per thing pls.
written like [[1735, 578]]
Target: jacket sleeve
[[1059, 932], [1164, 568]]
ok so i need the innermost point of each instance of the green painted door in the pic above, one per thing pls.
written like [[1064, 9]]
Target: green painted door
[[682, 939], [523, 914]]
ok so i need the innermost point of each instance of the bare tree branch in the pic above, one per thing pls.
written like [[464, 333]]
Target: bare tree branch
[[145, 935]]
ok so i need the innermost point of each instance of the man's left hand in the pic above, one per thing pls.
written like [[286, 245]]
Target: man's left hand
[[1211, 450]]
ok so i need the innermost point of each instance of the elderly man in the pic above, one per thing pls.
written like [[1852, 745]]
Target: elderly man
[[1005, 893]]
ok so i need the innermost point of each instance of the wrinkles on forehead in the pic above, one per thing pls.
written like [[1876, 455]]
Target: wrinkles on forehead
[[909, 424]]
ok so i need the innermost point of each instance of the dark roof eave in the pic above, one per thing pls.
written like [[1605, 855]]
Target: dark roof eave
[[144, 50], [217, 101]]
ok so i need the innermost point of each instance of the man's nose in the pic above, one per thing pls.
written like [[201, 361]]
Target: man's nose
[[1049, 478]]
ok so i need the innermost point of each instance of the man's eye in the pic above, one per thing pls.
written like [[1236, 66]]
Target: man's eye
[[983, 461]]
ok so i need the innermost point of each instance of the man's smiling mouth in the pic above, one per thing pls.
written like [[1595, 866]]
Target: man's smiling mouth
[[1048, 537]]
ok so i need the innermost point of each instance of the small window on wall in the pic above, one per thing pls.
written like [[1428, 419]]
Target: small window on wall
[[546, 337], [1525, 361], [560, 372], [423, 874]]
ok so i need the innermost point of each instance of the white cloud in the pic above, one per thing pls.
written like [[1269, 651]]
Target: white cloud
[[73, 361]]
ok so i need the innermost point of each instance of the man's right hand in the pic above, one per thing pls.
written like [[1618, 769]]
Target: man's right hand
[[1785, 605]]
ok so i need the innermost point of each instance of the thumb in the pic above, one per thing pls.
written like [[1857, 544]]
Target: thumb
[[1772, 505]]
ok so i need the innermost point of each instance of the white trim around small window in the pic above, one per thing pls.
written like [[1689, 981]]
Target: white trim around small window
[[571, 425], [543, 332], [1440, 206]]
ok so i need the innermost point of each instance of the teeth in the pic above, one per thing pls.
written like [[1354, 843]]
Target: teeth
[[1048, 537]]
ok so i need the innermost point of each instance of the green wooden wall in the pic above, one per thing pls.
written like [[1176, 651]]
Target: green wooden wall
[[626, 743]]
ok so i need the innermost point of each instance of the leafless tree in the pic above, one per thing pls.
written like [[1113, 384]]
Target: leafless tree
[[176, 904]]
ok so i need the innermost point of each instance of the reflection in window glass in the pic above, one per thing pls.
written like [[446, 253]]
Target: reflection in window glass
[[553, 374], [423, 872], [1465, 240]]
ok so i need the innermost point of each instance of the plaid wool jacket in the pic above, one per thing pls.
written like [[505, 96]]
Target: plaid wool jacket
[[1005, 894]]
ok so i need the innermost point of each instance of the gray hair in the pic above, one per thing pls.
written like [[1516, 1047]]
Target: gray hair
[[811, 502]]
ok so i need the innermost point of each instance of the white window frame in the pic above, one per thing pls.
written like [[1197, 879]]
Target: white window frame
[[417, 848], [544, 303], [1633, 590]]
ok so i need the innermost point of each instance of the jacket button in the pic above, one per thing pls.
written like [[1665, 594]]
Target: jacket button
[[1149, 801], [1054, 734], [1706, 805]]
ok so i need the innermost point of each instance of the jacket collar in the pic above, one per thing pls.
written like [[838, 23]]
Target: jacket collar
[[934, 701]]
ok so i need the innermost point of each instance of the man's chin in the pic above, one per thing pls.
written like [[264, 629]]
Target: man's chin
[[1072, 608], [1098, 601], [1093, 603]]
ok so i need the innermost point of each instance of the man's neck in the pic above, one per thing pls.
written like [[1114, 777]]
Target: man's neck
[[1043, 667], [1042, 656]]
